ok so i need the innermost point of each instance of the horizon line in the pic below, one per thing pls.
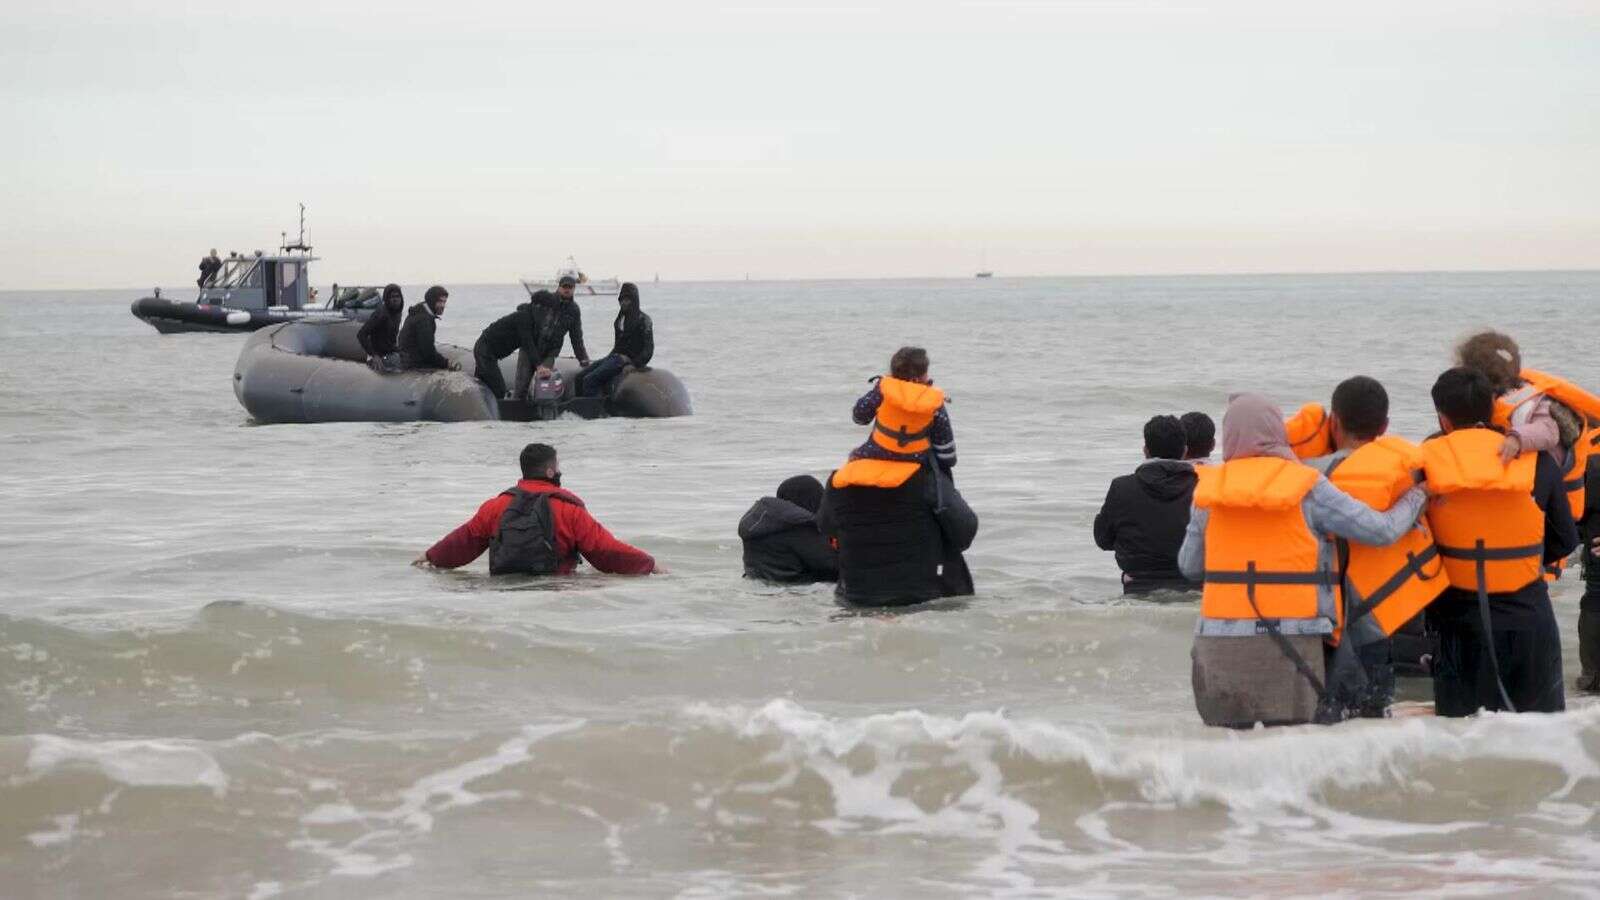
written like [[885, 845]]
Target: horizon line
[[972, 277]]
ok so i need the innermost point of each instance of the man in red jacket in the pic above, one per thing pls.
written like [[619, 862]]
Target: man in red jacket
[[548, 529]]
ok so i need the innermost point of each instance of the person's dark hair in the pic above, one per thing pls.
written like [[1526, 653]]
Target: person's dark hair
[[803, 491], [1361, 406], [909, 363], [535, 459], [1199, 434], [1464, 396], [1163, 438], [1496, 356], [434, 294], [392, 290]]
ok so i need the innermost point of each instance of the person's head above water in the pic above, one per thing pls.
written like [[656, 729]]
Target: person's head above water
[[1253, 426], [436, 298], [540, 463], [1199, 433], [910, 364], [628, 297], [565, 286], [392, 298], [213, 251], [803, 491], [1360, 412], [1496, 356], [1163, 438], [1463, 398]]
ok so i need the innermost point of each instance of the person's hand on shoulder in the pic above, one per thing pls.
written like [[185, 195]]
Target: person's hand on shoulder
[[1510, 448]]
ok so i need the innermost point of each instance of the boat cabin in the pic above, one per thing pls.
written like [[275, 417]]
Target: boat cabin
[[263, 281]]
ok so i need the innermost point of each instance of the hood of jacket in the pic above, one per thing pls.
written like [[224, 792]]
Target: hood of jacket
[[770, 515], [1166, 479]]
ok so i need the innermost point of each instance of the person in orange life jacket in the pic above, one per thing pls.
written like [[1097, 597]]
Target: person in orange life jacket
[[780, 538], [537, 527], [1589, 606], [908, 376], [1255, 537], [1200, 437], [1145, 514], [1495, 525], [1531, 425], [1359, 418]]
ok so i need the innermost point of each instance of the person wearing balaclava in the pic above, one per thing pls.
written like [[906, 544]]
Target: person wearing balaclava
[[781, 540], [380, 334], [634, 345], [1255, 538], [417, 350]]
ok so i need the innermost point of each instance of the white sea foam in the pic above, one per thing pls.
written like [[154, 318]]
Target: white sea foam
[[135, 763]]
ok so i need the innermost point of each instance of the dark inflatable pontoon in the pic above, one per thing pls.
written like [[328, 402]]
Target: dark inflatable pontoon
[[316, 372]]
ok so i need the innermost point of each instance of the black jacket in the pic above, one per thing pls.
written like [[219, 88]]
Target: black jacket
[[1144, 518], [416, 340], [900, 545], [782, 544], [516, 330], [557, 319], [1589, 525], [380, 333], [635, 338]]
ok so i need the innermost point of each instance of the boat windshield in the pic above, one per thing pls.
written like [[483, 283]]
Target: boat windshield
[[239, 272]]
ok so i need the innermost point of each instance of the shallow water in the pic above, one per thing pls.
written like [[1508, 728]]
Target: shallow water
[[218, 675]]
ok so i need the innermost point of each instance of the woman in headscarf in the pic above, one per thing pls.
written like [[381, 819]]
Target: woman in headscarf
[[1270, 571]]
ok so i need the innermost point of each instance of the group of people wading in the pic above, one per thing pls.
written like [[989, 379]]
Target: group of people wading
[[1329, 553], [1320, 543], [539, 328]]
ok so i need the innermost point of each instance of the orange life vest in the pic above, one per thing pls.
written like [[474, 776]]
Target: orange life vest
[[1573, 482], [1393, 583], [1487, 525], [905, 415], [1310, 431], [878, 473], [1261, 559]]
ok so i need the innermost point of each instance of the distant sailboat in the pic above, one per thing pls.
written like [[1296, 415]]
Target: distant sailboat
[[983, 266]]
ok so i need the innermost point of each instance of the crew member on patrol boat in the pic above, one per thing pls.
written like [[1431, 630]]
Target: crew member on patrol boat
[[1255, 538], [1384, 587], [536, 527], [1496, 525], [910, 393], [900, 523]]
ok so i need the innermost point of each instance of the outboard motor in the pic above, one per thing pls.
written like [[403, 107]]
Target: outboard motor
[[545, 396]]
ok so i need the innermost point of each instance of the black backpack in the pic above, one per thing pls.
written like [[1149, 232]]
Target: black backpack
[[525, 543]]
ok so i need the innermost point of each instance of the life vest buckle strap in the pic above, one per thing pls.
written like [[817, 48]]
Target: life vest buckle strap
[[900, 435], [1572, 484], [1413, 566], [1253, 576], [1491, 554]]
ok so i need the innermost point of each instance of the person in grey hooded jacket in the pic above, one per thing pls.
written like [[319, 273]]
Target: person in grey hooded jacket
[[781, 540]]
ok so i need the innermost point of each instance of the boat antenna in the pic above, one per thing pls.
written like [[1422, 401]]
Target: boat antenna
[[300, 242]]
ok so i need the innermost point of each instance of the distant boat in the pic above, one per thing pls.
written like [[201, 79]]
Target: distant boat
[[571, 270], [983, 265]]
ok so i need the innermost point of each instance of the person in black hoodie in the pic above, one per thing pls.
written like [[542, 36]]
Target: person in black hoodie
[[516, 330], [901, 528], [559, 316], [635, 344], [1146, 513], [380, 333], [417, 350], [781, 539]]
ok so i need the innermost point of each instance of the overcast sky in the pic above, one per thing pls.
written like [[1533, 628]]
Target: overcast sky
[[470, 142]]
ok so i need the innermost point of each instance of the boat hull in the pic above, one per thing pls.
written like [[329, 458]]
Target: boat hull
[[171, 317]]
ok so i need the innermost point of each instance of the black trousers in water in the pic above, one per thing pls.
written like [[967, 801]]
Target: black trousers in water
[[1589, 638], [487, 368], [1529, 653]]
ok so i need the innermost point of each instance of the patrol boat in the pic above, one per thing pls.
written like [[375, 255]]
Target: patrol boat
[[254, 291], [584, 284]]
